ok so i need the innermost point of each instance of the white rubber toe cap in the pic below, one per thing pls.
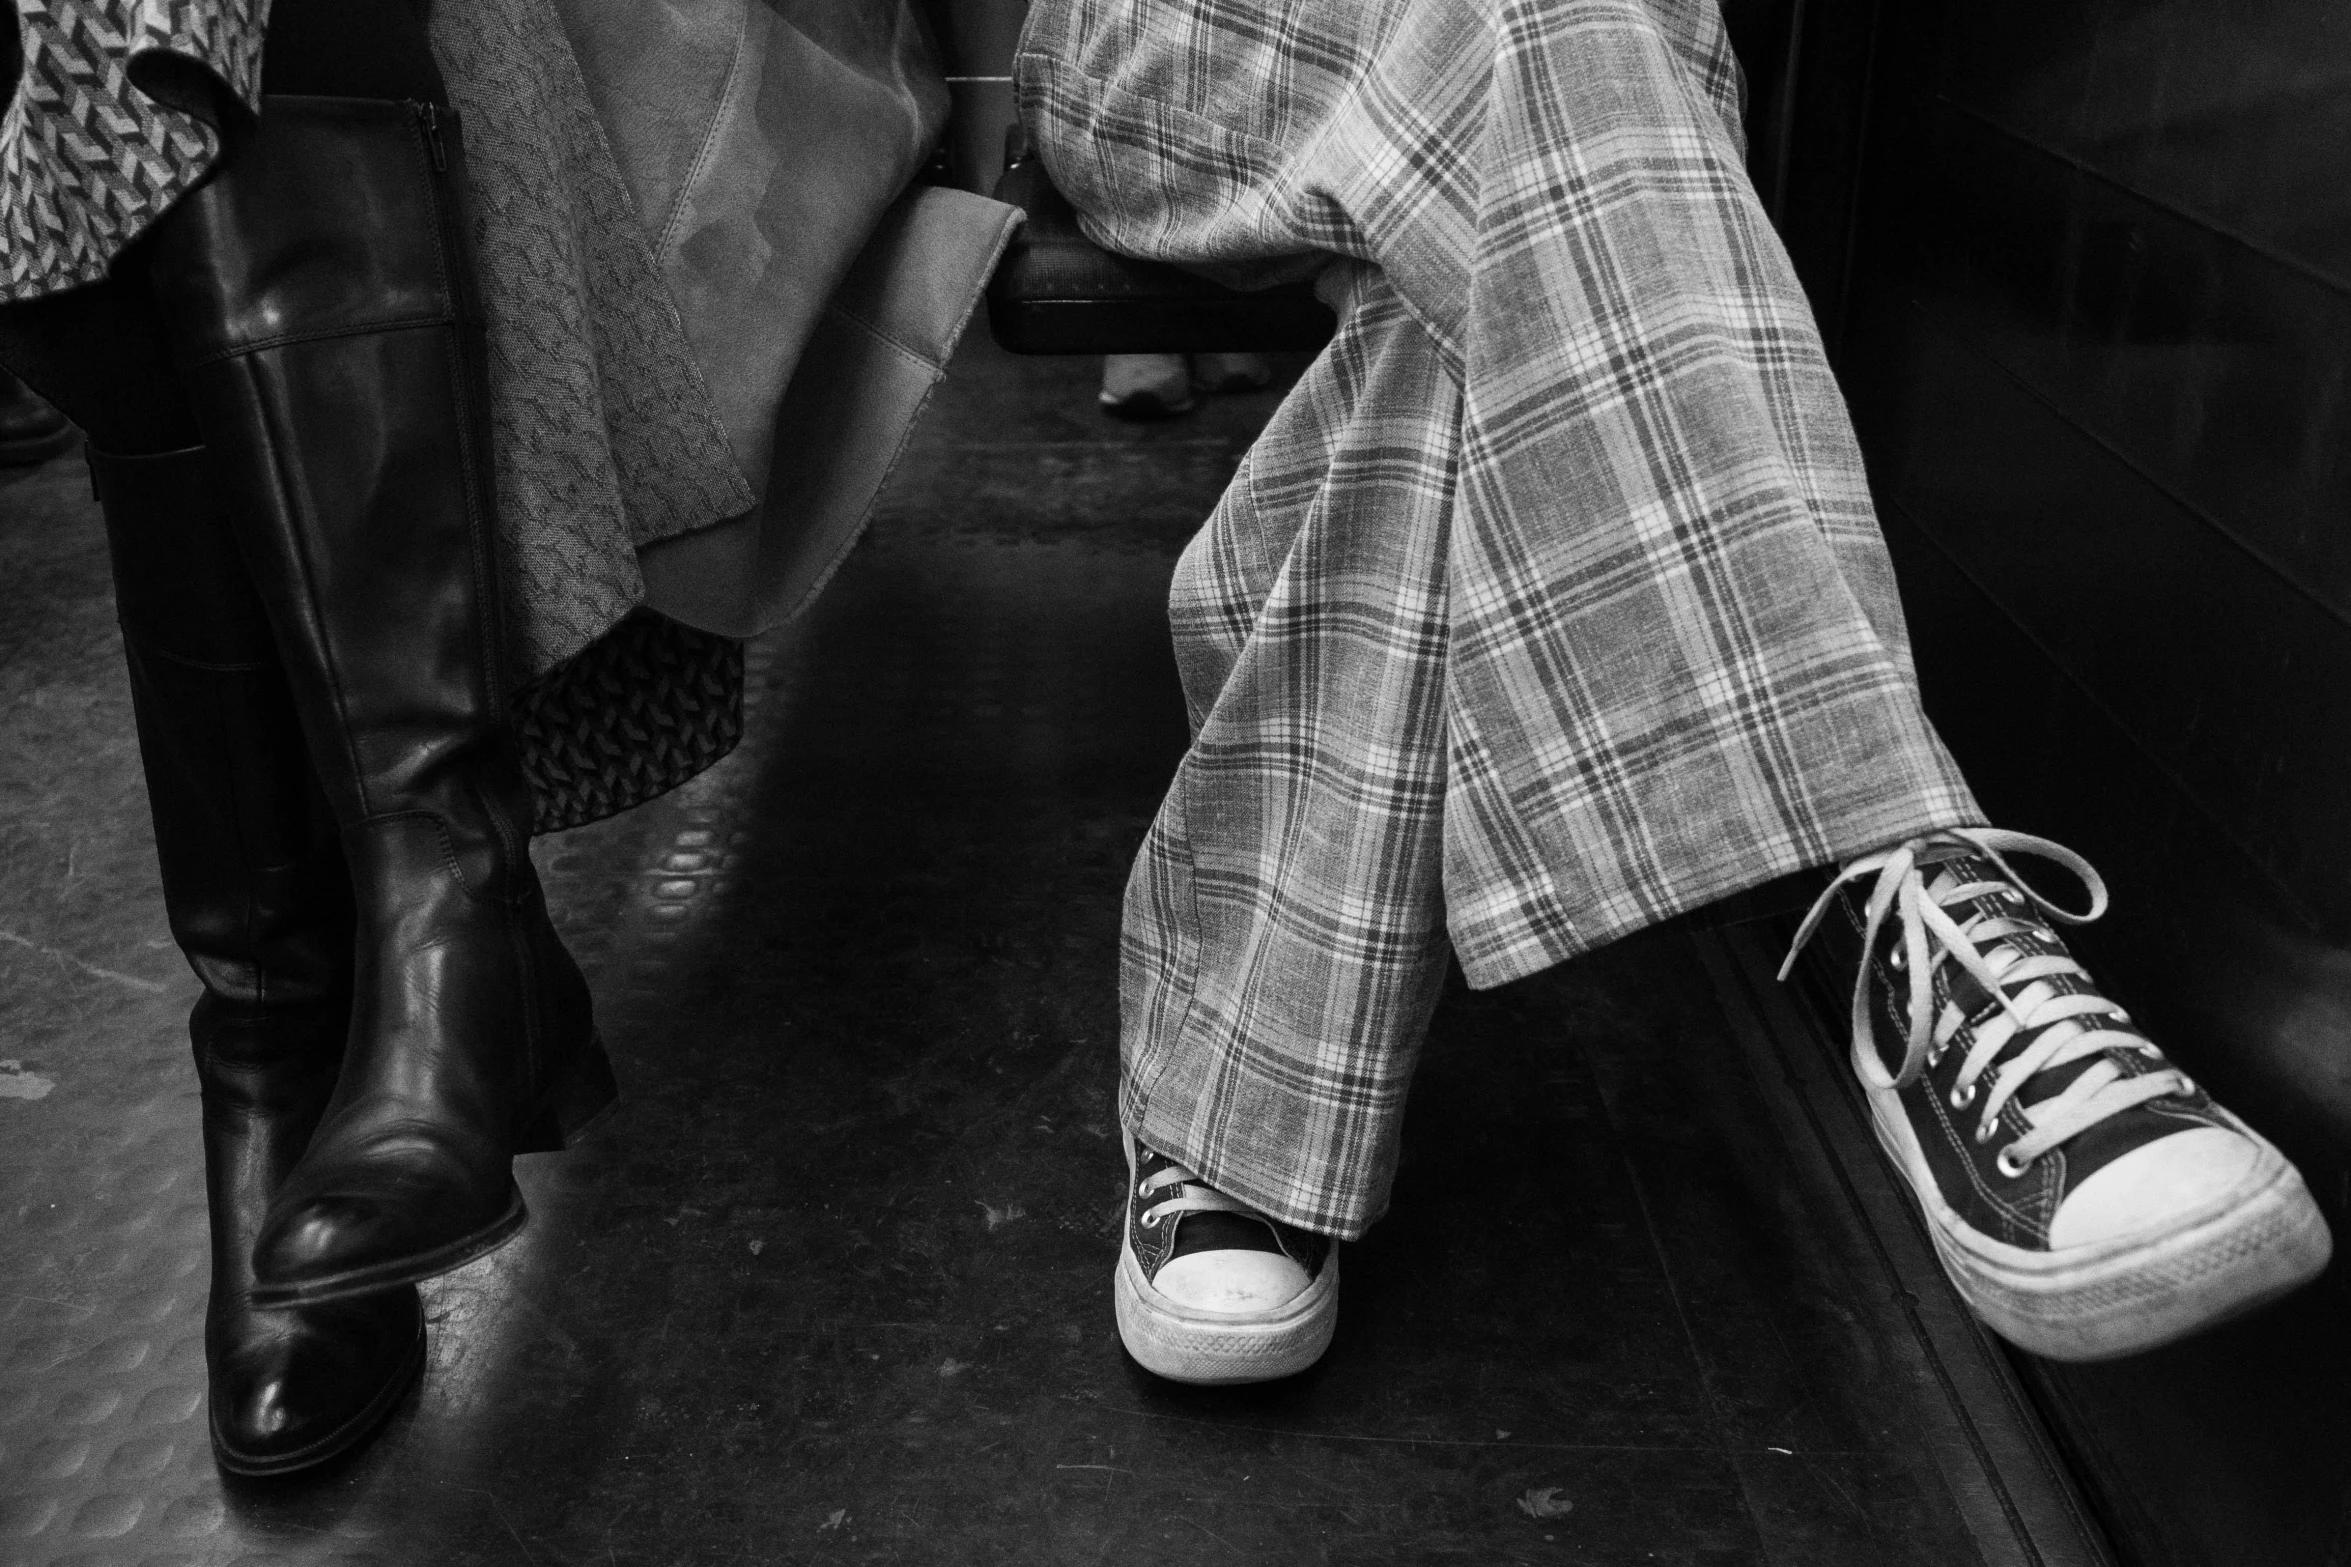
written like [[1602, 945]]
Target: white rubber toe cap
[[1233, 1282], [2153, 1186]]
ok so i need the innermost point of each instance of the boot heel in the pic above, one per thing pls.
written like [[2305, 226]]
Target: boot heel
[[582, 1095]]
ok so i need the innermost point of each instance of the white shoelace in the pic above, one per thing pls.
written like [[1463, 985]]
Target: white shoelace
[[2016, 979], [1192, 1195]]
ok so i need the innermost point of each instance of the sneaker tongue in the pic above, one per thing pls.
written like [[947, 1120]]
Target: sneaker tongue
[[1976, 1002], [1223, 1232], [1967, 868]]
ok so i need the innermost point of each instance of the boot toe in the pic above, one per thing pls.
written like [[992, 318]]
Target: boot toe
[[316, 1384], [341, 1243], [324, 1237]]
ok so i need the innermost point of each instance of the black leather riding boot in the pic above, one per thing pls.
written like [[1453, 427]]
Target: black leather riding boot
[[253, 883], [318, 294], [30, 430]]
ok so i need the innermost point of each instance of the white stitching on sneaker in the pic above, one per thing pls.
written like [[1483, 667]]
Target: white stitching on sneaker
[[2100, 1091]]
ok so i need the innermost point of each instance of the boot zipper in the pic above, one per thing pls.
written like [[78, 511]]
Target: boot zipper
[[428, 122], [428, 119]]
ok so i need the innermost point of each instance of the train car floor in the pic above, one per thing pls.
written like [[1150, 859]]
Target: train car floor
[[834, 1286]]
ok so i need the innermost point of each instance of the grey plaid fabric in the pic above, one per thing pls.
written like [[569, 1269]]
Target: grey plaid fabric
[[1550, 604]]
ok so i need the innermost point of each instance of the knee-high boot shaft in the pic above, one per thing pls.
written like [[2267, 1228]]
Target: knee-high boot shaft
[[259, 903], [322, 308], [319, 296], [253, 882]]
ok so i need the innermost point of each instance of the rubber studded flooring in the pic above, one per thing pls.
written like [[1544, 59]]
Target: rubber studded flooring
[[835, 1284]]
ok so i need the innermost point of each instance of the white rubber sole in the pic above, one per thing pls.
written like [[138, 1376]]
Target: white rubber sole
[[2259, 1240], [1216, 1349]]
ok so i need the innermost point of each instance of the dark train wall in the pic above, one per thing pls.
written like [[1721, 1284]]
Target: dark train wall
[[2086, 271]]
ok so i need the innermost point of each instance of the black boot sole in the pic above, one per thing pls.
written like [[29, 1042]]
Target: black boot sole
[[343, 1438]]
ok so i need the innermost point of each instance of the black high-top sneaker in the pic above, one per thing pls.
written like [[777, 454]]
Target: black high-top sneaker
[[1212, 1291], [2087, 1198]]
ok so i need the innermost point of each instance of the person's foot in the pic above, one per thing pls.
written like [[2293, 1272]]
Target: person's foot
[[2086, 1197], [1212, 1291], [30, 430], [1231, 372], [1145, 386]]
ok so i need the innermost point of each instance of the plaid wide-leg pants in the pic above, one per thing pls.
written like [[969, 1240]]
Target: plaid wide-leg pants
[[1551, 603]]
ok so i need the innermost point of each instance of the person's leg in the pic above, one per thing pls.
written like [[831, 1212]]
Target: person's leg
[[1145, 386], [1673, 661], [1654, 647], [254, 881], [1284, 940], [31, 429], [1677, 664], [258, 899], [318, 296], [1231, 372], [1285, 923]]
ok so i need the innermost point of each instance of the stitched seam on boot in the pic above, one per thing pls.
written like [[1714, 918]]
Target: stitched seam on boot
[[275, 442], [449, 859], [323, 334], [150, 650]]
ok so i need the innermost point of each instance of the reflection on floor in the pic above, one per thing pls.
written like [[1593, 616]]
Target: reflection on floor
[[834, 1287]]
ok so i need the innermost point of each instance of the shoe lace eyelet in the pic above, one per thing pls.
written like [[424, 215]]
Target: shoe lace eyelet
[[2006, 1163], [1150, 1221], [1963, 1096], [1983, 1133]]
